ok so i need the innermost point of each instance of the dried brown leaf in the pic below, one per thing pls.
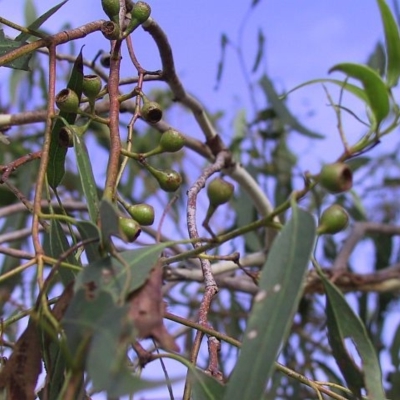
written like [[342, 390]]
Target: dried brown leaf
[[146, 310], [20, 374]]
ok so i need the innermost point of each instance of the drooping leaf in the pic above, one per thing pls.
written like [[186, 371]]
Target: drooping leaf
[[57, 152], [122, 279], [22, 37], [282, 111], [377, 59], [147, 309], [206, 387], [106, 362], [20, 374], [88, 230], [375, 89], [343, 323], [85, 310], [392, 40], [7, 45], [109, 223], [355, 90], [58, 245], [54, 357], [86, 175], [274, 307], [260, 50], [224, 41], [395, 349]]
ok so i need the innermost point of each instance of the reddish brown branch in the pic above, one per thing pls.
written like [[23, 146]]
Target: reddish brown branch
[[13, 165]]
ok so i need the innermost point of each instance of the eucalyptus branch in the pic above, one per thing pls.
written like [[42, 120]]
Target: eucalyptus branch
[[54, 40], [169, 75], [115, 140], [219, 268], [360, 229]]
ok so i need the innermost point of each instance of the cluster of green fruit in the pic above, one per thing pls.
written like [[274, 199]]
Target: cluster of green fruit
[[136, 13], [335, 178], [170, 141]]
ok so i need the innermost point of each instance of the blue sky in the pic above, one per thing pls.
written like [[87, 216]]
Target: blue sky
[[304, 38]]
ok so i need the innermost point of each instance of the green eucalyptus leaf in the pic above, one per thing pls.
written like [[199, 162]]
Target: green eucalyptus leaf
[[57, 153], [280, 289], [7, 45], [260, 50], [106, 362], [86, 175], [375, 89], [392, 40], [355, 90], [221, 63], [22, 37], [343, 323], [85, 310], [206, 387], [58, 245], [282, 111], [109, 222], [122, 278], [88, 230]]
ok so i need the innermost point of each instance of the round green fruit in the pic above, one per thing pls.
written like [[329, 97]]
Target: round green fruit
[[169, 180], [219, 191], [142, 213], [171, 141], [336, 177], [151, 112], [67, 100], [91, 86], [111, 8], [141, 11], [130, 228], [333, 220]]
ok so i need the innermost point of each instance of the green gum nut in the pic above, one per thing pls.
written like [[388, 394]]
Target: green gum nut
[[336, 177], [129, 228], [91, 86], [111, 8], [333, 220], [67, 100], [66, 134], [171, 141], [151, 111], [169, 180], [141, 11], [142, 213], [219, 191]]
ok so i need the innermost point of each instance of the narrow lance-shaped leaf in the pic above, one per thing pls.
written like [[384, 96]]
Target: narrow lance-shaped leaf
[[40, 21], [282, 111], [58, 245], [57, 153], [274, 307], [224, 42], [392, 40], [7, 45], [126, 278], [355, 90], [260, 50], [343, 322], [374, 87], [87, 177]]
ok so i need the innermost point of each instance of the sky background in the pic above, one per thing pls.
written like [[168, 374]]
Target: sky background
[[304, 38]]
